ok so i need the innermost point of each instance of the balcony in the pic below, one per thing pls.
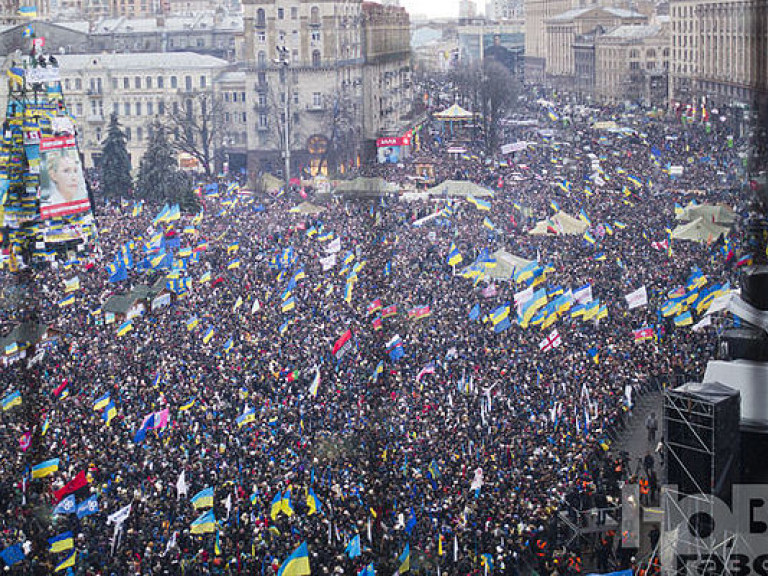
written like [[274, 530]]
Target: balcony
[[315, 107], [95, 118], [94, 93]]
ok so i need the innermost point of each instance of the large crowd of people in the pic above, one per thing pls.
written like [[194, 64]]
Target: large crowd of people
[[460, 452]]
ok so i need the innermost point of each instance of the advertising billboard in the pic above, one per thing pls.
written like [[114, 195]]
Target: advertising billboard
[[62, 185]]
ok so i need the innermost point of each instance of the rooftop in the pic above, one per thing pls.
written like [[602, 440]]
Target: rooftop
[[636, 32], [140, 61]]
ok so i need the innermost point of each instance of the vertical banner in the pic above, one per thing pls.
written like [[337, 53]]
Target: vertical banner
[[62, 185]]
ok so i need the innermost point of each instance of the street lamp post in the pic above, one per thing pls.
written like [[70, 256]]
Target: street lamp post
[[283, 59]]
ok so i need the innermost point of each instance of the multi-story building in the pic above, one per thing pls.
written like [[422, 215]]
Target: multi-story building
[[304, 67], [214, 33], [467, 9], [498, 10], [719, 50], [562, 30], [387, 86], [631, 63], [139, 88], [536, 13]]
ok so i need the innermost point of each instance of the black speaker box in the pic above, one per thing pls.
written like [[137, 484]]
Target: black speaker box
[[754, 286], [745, 344]]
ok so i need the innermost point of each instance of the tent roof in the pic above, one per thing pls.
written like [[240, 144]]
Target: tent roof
[[699, 231], [454, 112], [506, 263], [718, 213], [366, 186], [307, 208], [461, 188], [563, 223], [271, 183]]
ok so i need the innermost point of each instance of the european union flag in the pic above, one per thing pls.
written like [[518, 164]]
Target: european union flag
[[12, 555]]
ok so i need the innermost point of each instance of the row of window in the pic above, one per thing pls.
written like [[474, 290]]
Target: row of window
[[314, 15], [315, 36], [137, 83], [235, 117], [234, 96]]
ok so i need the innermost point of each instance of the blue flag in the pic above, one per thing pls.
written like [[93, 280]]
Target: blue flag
[[12, 555], [88, 507], [66, 506], [474, 314]]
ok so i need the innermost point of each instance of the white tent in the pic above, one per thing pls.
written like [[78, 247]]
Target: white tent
[[699, 231], [307, 208], [461, 188], [560, 223], [716, 213]]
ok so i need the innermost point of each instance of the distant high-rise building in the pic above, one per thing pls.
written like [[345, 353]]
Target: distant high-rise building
[[498, 10], [719, 50], [467, 9]]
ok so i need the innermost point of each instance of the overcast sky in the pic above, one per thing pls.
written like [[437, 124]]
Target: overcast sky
[[434, 8]]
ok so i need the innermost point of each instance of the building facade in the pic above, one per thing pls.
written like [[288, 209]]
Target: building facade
[[536, 13], [499, 10], [139, 88], [719, 51], [562, 30], [303, 92], [632, 63], [387, 85]]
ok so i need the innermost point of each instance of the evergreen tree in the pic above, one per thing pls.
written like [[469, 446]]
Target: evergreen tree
[[160, 179], [115, 164]]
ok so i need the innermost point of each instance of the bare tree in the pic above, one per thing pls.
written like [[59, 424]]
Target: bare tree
[[499, 91], [197, 129], [342, 128], [490, 90]]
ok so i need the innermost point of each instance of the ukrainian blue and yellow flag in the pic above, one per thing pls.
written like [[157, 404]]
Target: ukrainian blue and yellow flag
[[68, 301], [28, 11], [192, 323], [61, 543], [454, 256], [489, 224], [246, 417], [109, 413], [101, 402], [203, 499], [684, 319], [313, 503], [479, 203], [297, 564], [288, 305], [125, 327], [11, 400], [276, 506], [45, 468], [68, 562], [285, 504], [204, 524], [591, 310], [589, 238], [234, 264], [208, 335], [405, 560], [188, 406]]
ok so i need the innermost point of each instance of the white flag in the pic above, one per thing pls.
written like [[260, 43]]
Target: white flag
[[328, 262], [583, 295], [119, 517], [523, 296], [315, 383], [256, 306], [551, 341], [334, 246], [637, 298], [181, 485], [701, 324], [228, 504]]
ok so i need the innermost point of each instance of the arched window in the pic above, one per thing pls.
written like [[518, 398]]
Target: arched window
[[634, 53], [315, 58], [650, 54], [261, 19], [314, 16], [262, 58]]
